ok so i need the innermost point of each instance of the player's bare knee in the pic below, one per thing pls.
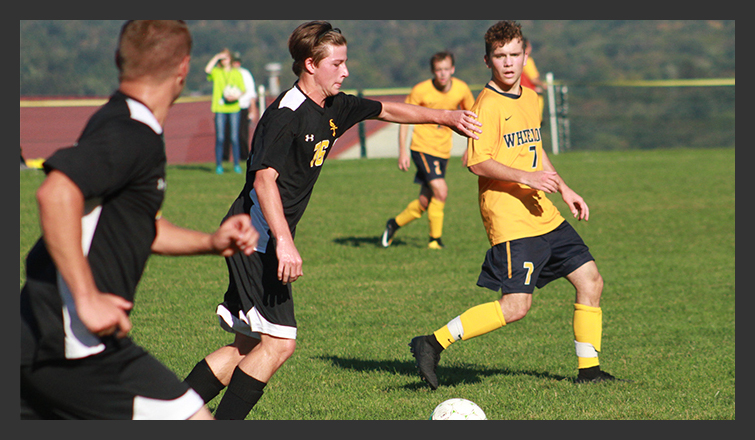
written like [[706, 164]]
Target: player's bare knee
[[281, 348]]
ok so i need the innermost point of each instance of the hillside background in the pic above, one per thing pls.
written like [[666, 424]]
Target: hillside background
[[75, 58]]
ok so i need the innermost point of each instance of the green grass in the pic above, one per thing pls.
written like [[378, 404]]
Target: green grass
[[661, 229]]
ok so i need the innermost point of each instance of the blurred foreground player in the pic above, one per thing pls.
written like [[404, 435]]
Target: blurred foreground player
[[291, 142], [99, 209], [531, 243]]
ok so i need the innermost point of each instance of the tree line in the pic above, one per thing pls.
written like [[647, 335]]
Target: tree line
[[76, 57]]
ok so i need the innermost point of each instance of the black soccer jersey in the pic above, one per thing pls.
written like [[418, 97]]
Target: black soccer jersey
[[294, 137], [119, 165]]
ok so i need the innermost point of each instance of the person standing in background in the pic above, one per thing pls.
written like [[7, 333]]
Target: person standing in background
[[531, 76], [227, 87], [249, 111]]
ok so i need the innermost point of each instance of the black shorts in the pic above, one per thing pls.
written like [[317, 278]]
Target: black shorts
[[428, 167], [256, 300], [519, 266], [119, 384]]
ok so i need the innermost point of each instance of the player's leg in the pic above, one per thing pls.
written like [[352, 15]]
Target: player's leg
[[252, 374], [416, 207], [234, 119], [588, 316], [220, 128], [213, 373], [435, 211], [571, 258], [202, 414], [507, 268], [588, 322]]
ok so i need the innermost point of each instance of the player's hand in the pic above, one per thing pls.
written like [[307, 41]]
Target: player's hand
[[465, 123], [546, 181], [576, 204], [289, 262], [236, 234], [404, 162], [105, 314]]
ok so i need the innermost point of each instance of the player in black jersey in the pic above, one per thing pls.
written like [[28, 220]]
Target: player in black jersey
[[292, 139], [100, 217]]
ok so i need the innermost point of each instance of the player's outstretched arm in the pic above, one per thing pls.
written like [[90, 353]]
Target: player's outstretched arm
[[463, 122], [236, 234]]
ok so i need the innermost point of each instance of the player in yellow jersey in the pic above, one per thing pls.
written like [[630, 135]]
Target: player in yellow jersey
[[531, 243], [531, 76], [430, 148]]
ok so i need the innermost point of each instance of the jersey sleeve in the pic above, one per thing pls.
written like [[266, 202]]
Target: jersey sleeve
[[355, 109]]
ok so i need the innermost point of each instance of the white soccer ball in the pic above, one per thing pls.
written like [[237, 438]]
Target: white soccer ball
[[458, 409]]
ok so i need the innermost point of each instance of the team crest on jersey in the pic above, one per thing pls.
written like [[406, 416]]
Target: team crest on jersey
[[333, 127]]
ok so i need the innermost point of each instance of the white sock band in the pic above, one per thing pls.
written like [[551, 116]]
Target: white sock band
[[456, 329], [585, 350]]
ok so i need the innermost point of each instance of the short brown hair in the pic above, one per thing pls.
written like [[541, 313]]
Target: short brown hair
[[310, 40], [502, 33], [440, 56], [151, 48]]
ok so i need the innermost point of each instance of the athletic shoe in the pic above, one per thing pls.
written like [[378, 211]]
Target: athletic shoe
[[237, 169], [390, 230], [219, 169], [426, 359], [435, 243], [600, 376]]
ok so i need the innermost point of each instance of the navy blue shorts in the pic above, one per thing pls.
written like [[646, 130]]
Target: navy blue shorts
[[519, 266], [428, 167]]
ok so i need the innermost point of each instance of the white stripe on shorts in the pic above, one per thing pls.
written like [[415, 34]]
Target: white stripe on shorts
[[146, 408], [252, 324]]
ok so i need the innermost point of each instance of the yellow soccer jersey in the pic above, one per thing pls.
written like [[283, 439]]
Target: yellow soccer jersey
[[511, 136], [436, 140]]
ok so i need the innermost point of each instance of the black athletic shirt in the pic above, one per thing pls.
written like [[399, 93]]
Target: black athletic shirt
[[119, 164], [294, 137]]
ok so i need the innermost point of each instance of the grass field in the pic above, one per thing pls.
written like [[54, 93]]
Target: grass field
[[662, 229]]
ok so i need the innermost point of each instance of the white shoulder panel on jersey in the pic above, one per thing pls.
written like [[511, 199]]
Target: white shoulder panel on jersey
[[292, 99], [141, 113]]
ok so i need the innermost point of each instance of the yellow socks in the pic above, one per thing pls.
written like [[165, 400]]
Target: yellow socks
[[412, 212], [435, 217], [588, 329], [476, 321]]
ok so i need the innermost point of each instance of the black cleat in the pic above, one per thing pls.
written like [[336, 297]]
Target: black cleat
[[426, 359], [595, 376], [390, 230]]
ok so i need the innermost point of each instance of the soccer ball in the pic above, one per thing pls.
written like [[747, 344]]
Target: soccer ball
[[458, 409]]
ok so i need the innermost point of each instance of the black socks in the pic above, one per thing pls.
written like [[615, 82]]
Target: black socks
[[204, 382], [242, 394]]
